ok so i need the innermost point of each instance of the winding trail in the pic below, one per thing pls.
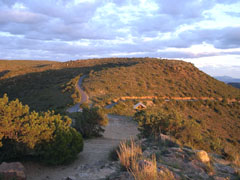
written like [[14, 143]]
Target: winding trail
[[95, 150], [84, 96]]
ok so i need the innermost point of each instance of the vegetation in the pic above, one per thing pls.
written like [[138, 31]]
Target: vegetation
[[42, 86], [44, 134], [188, 131], [152, 125], [63, 149], [51, 86], [12, 68], [71, 87], [154, 77], [131, 158], [90, 121], [128, 153]]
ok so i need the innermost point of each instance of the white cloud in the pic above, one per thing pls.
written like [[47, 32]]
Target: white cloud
[[205, 31]]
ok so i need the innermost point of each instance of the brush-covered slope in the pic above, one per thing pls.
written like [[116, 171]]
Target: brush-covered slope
[[154, 77], [10, 68], [42, 84]]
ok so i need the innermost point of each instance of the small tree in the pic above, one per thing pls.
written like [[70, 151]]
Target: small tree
[[90, 121]]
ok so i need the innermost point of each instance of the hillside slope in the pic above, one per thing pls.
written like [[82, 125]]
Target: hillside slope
[[42, 84], [153, 77], [51, 87]]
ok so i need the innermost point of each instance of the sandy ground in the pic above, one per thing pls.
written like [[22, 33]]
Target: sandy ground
[[119, 128]]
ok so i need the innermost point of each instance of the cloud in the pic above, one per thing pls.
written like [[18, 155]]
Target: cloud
[[75, 29], [221, 38]]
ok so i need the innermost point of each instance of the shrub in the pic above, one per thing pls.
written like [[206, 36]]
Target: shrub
[[90, 121], [151, 124], [24, 133], [127, 153], [64, 148], [113, 156]]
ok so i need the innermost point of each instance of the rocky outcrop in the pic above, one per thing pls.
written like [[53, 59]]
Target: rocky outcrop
[[173, 162], [187, 163], [14, 170]]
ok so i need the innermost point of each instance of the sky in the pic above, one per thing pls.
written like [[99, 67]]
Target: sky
[[204, 32]]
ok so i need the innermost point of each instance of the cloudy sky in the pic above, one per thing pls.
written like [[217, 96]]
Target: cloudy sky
[[205, 32]]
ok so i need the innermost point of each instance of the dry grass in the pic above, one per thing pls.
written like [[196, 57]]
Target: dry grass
[[148, 170], [131, 158], [128, 152], [236, 161]]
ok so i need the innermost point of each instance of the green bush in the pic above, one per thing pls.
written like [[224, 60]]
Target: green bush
[[90, 121], [63, 149], [151, 124], [42, 135]]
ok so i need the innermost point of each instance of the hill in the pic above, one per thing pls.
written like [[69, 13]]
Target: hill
[[16, 67], [48, 85], [234, 84], [153, 77], [41, 84], [227, 79], [165, 84]]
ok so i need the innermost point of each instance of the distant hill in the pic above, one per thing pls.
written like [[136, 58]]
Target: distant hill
[[227, 79], [236, 85]]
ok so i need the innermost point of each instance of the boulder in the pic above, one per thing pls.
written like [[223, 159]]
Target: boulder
[[203, 156], [14, 170]]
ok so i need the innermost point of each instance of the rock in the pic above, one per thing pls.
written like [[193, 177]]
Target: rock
[[224, 169], [166, 173], [14, 170], [144, 163], [203, 156]]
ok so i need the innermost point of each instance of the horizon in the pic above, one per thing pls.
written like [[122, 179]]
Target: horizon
[[201, 32]]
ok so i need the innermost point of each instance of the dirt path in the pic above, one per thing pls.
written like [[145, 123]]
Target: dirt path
[[84, 97], [95, 150]]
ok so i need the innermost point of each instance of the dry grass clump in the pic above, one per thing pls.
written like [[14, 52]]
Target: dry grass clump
[[130, 156], [236, 161], [128, 152], [148, 170]]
